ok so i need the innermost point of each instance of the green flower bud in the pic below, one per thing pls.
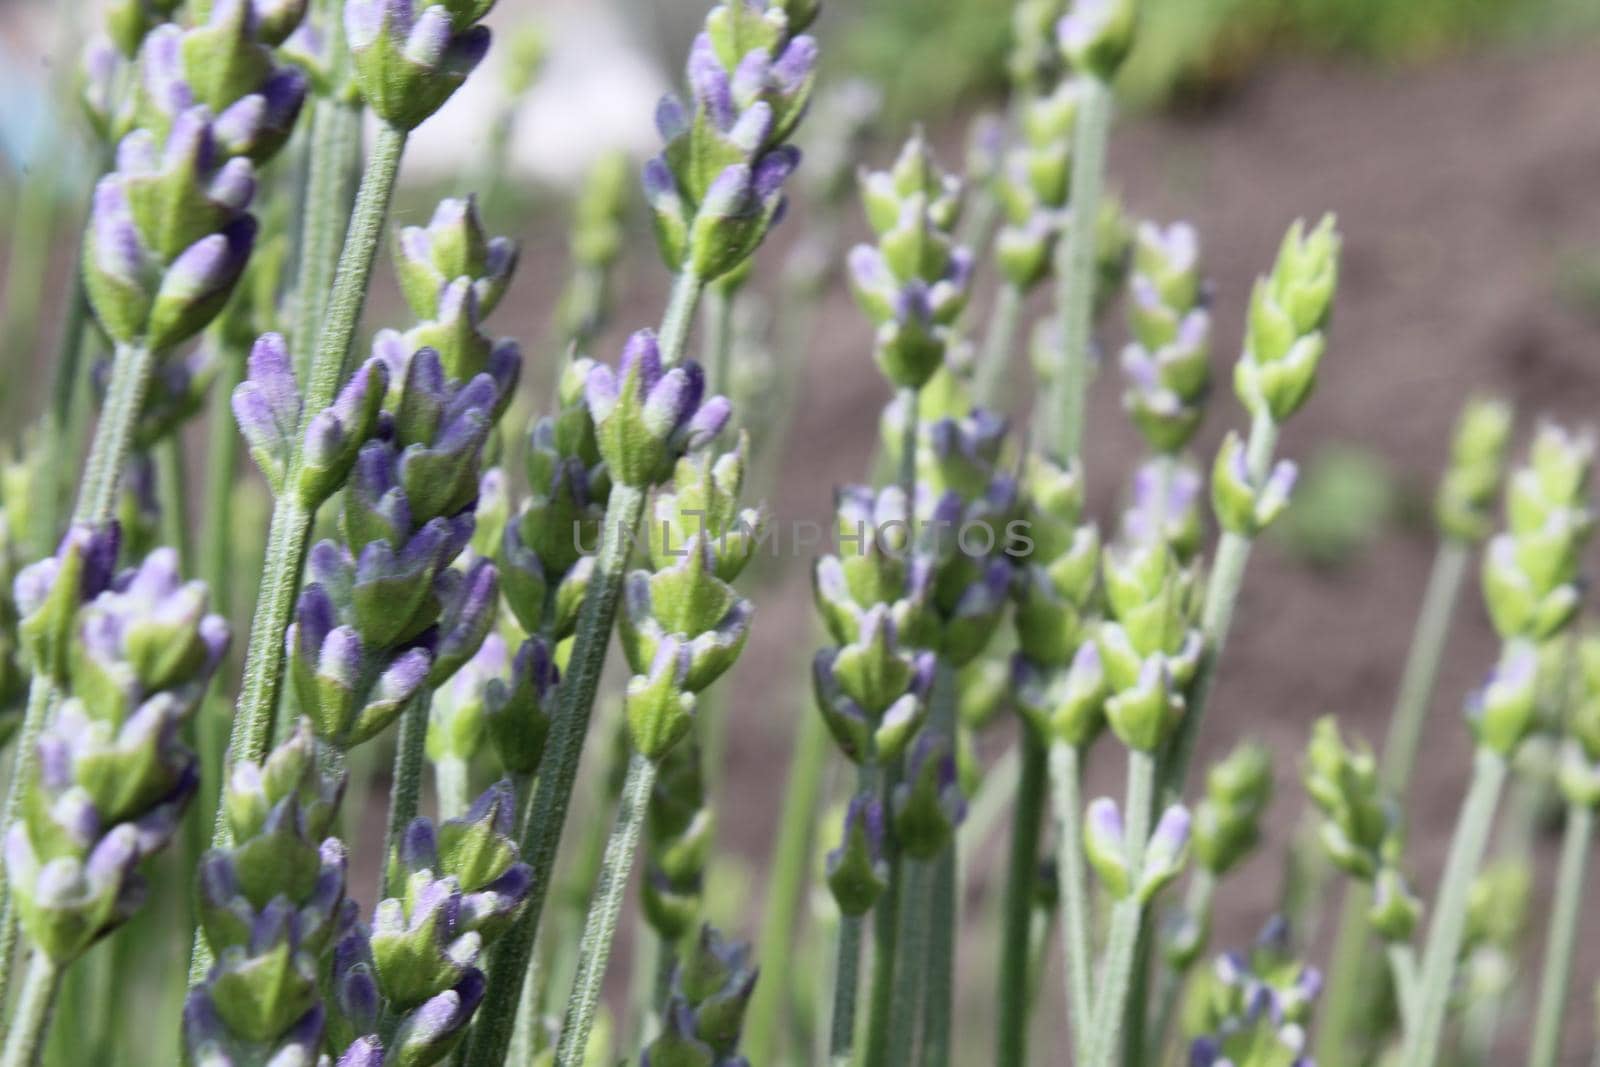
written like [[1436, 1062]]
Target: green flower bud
[[1395, 909], [1505, 710], [1284, 336], [1359, 829], [1244, 504], [1106, 846], [857, 872], [1095, 35], [1227, 822], [1066, 704], [1477, 463], [658, 706], [1165, 853], [928, 805]]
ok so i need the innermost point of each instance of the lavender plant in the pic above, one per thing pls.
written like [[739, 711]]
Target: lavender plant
[[470, 565]]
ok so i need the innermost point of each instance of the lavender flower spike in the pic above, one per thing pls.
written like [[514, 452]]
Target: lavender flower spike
[[646, 417]]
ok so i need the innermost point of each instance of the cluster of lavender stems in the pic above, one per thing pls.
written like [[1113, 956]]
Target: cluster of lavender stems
[[466, 622]]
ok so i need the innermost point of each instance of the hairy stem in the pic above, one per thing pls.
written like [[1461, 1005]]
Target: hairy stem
[[1449, 923], [717, 342], [937, 974], [1562, 943], [1066, 788], [41, 694], [885, 934], [600, 929], [789, 868], [1075, 260], [31, 1022], [911, 962], [1216, 613], [558, 772], [289, 532], [1017, 923], [131, 369], [1122, 941], [846, 985]]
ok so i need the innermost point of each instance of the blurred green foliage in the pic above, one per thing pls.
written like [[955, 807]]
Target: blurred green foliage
[[930, 54], [1343, 500]]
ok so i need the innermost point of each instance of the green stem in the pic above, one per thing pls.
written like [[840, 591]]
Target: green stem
[[594, 952], [885, 934], [1075, 259], [846, 985], [1562, 943], [1216, 614], [1412, 701], [790, 866], [334, 134], [289, 534], [557, 773], [40, 696], [911, 962], [450, 782], [1017, 924], [1422, 665], [1066, 787], [131, 369], [1403, 969], [937, 973], [906, 478], [1196, 908], [405, 786], [997, 343], [31, 1023], [674, 332], [1122, 941], [1449, 923], [717, 343], [938, 1006]]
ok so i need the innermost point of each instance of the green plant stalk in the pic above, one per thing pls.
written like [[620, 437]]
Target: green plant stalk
[[998, 342], [1412, 701], [558, 772], [846, 984], [1017, 918], [1075, 260], [41, 694], [885, 935], [31, 1023], [1403, 968], [1216, 613], [290, 529], [559, 769], [937, 974], [405, 786], [1197, 902], [790, 865], [601, 926], [717, 341], [131, 368], [289, 534], [1449, 923], [1562, 943], [1422, 665], [1122, 940], [1066, 787], [450, 782], [28, 255], [911, 962]]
